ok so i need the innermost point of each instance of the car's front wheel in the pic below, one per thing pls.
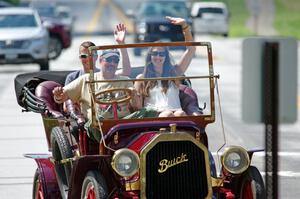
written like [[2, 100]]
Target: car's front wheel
[[93, 186], [37, 191], [55, 47], [252, 185]]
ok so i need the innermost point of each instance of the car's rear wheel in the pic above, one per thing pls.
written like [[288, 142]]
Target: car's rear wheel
[[252, 185], [44, 64], [61, 150], [37, 191], [55, 47], [93, 186]]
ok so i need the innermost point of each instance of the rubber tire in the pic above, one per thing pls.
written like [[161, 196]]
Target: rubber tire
[[95, 179], [55, 47], [61, 149], [35, 185], [253, 174], [44, 64]]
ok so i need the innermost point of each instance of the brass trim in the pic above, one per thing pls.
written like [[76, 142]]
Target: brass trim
[[179, 136], [217, 182], [172, 128], [116, 155], [132, 186], [233, 149], [197, 136]]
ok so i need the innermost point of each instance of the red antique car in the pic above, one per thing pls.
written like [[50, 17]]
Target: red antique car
[[158, 157]]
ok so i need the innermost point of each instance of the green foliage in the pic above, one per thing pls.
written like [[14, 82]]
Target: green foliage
[[14, 2], [287, 20]]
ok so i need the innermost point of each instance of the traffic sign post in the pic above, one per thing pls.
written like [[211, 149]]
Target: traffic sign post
[[270, 116], [269, 94]]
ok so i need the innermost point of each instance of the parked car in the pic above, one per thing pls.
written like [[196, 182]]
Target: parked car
[[60, 33], [65, 16], [150, 23], [154, 157], [5, 4], [211, 17], [23, 38]]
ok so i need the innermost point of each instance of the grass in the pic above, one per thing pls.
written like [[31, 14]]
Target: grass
[[287, 19], [286, 22]]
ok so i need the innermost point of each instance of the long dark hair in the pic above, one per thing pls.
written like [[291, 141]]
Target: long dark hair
[[149, 72]]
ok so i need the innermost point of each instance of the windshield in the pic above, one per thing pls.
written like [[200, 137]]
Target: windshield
[[17, 21], [176, 9], [211, 10], [46, 11], [190, 92]]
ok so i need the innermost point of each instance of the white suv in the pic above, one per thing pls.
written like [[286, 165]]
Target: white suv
[[23, 38], [210, 17]]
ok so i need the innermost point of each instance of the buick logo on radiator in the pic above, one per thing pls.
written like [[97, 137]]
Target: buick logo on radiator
[[165, 164]]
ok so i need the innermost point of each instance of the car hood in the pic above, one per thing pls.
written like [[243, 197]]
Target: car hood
[[52, 20], [157, 19], [20, 33]]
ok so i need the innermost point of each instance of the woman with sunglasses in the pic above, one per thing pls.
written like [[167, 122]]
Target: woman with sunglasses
[[163, 95]]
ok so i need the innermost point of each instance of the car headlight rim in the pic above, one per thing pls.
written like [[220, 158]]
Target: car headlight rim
[[230, 156], [125, 155]]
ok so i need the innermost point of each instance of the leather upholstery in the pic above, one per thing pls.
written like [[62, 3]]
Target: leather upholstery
[[189, 100], [44, 91]]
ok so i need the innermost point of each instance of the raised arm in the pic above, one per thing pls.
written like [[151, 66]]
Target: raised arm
[[187, 56], [120, 33]]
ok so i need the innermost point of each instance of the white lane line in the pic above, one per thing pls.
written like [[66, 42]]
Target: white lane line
[[285, 174], [262, 154]]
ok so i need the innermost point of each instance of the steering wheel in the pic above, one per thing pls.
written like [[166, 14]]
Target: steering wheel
[[111, 96]]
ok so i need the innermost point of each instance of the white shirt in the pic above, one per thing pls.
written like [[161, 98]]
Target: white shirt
[[161, 101]]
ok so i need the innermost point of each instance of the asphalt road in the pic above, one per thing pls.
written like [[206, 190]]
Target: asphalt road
[[23, 132]]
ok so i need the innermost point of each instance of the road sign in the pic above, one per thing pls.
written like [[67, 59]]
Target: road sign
[[253, 79]]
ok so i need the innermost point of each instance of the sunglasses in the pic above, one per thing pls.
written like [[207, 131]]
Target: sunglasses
[[112, 59], [84, 56], [157, 53]]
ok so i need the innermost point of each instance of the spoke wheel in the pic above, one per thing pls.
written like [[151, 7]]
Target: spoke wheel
[[37, 192], [61, 149], [94, 186], [252, 185]]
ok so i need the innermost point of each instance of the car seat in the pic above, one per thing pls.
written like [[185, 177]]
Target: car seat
[[44, 92], [189, 100]]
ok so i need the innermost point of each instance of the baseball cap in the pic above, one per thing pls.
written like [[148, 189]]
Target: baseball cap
[[109, 53]]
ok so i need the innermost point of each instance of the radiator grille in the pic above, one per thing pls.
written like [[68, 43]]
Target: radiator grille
[[187, 179]]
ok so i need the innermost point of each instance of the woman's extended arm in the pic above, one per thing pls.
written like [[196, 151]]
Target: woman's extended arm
[[187, 56]]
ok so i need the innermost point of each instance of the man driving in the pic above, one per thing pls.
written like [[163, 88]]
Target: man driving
[[79, 91]]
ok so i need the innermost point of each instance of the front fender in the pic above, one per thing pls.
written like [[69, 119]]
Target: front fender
[[47, 175], [251, 152]]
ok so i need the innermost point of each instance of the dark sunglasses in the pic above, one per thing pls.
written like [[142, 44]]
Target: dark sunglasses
[[84, 56], [112, 59], [157, 53]]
